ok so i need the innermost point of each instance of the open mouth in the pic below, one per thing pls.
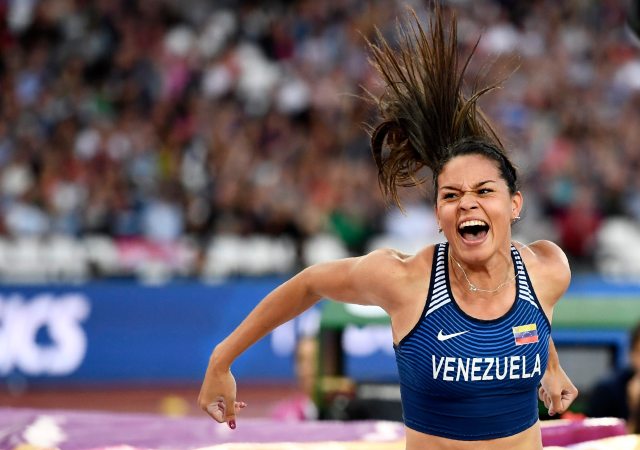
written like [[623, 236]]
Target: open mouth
[[473, 230]]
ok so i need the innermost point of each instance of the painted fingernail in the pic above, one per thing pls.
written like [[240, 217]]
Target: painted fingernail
[[232, 424]]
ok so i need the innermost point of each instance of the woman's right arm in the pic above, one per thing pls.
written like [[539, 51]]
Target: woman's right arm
[[363, 280]]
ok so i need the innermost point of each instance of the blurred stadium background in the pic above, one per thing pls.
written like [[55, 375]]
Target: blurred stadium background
[[165, 163]]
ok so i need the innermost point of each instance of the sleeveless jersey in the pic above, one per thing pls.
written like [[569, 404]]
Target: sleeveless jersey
[[470, 379]]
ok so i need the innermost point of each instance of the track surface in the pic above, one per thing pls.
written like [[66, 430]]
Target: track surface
[[173, 401]]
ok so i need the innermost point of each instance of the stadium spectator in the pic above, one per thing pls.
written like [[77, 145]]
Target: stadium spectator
[[246, 111], [618, 395]]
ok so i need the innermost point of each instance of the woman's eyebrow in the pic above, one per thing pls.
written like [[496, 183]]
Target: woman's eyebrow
[[475, 186]]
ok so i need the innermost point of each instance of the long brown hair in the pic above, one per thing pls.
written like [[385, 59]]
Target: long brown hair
[[424, 112]]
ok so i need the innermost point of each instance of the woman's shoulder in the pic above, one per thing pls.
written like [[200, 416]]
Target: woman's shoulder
[[394, 271], [544, 253], [548, 267], [393, 276], [393, 261]]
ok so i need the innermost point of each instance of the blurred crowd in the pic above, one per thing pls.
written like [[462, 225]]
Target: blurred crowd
[[160, 118]]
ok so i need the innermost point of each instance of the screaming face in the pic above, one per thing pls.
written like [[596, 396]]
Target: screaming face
[[475, 208]]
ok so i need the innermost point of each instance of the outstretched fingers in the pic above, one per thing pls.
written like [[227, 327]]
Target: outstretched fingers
[[219, 411]]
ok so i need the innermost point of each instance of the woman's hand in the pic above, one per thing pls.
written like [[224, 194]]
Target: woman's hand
[[218, 395], [557, 392]]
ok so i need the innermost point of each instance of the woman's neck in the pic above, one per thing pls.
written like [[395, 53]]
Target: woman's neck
[[488, 278]]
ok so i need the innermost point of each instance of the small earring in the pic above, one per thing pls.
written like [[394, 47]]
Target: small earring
[[439, 230], [515, 220]]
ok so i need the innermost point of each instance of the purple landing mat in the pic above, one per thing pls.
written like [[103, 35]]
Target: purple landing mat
[[80, 430], [567, 432]]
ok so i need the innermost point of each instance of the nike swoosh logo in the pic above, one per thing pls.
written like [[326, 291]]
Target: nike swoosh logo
[[444, 337]]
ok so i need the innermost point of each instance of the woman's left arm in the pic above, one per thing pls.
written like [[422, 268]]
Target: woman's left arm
[[556, 391], [551, 277]]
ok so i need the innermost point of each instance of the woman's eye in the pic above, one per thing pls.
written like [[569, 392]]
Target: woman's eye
[[448, 195], [484, 191]]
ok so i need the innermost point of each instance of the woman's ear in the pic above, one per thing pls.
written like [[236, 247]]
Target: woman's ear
[[516, 205], [435, 210]]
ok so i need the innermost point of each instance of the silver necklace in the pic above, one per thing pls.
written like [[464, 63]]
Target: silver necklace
[[474, 288]]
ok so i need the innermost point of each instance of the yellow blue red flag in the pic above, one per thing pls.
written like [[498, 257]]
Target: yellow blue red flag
[[525, 334]]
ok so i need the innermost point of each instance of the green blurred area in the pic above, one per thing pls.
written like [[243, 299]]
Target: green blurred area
[[571, 312]]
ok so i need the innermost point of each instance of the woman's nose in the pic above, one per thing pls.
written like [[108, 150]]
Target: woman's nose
[[468, 202]]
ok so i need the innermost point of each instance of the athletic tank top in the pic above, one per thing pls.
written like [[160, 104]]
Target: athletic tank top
[[470, 379]]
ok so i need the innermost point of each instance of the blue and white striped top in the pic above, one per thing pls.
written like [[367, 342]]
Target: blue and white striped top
[[471, 379]]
